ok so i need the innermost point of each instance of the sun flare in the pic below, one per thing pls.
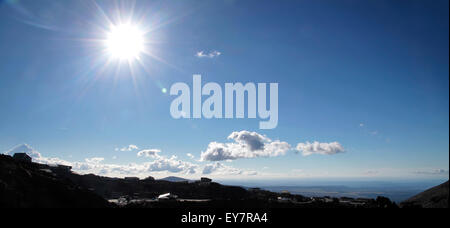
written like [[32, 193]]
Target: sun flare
[[125, 42]]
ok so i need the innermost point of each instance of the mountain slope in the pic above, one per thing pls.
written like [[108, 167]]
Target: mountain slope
[[436, 197], [174, 179]]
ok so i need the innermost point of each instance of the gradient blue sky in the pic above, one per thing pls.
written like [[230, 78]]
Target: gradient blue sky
[[371, 75]]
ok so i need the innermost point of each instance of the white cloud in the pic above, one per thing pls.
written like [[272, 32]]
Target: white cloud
[[81, 166], [151, 153], [24, 148], [130, 147], [320, 148], [94, 160], [191, 156], [361, 125], [247, 145], [131, 169], [212, 54], [52, 161], [220, 169], [254, 140], [172, 164]]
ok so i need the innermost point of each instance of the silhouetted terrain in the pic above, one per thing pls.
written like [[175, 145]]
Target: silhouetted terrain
[[26, 184], [174, 179], [395, 192], [436, 197], [31, 185]]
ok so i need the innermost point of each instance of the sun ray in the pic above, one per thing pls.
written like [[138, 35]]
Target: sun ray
[[125, 38]]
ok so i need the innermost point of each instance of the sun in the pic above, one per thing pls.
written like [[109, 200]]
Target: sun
[[125, 42]]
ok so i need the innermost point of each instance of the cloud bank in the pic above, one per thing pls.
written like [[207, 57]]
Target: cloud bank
[[159, 164], [172, 165], [246, 145], [220, 169], [96, 164], [320, 148]]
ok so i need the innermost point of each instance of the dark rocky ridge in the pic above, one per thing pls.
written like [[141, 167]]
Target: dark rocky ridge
[[175, 179], [436, 197]]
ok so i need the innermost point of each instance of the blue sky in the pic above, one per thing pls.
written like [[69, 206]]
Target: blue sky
[[372, 76]]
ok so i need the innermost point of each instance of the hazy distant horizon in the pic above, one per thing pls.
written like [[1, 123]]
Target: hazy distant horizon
[[397, 190]]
